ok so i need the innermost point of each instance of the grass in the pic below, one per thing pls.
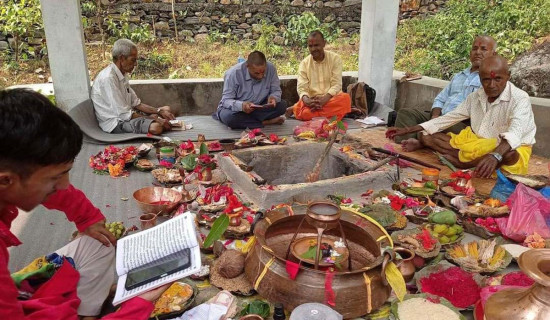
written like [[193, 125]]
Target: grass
[[184, 60]]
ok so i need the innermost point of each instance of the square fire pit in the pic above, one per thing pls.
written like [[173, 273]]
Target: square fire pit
[[283, 171]]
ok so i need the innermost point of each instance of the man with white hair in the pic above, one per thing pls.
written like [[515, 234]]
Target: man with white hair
[[117, 107]]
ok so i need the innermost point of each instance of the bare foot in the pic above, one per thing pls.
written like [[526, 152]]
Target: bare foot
[[411, 144], [289, 112], [278, 120]]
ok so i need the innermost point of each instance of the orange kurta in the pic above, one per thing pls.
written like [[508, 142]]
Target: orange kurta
[[338, 106]]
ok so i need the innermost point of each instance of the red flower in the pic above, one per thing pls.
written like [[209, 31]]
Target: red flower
[[233, 203], [254, 132], [367, 193], [396, 202], [187, 145], [273, 138], [428, 242], [346, 201]]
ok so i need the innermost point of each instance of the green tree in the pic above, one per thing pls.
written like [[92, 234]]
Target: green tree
[[21, 19]]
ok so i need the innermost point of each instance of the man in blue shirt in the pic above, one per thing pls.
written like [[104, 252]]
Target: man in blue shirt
[[462, 84], [251, 95]]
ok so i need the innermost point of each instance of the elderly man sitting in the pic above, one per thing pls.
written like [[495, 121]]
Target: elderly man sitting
[[251, 95], [320, 83], [462, 84], [502, 130], [117, 107]]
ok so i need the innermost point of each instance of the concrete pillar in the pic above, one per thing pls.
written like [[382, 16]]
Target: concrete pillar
[[377, 46], [66, 52]]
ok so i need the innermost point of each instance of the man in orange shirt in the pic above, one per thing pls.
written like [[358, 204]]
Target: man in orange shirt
[[320, 83]]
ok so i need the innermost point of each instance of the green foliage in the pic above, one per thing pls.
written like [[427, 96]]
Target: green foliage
[[21, 19], [154, 62], [265, 41], [258, 307], [439, 46], [299, 27], [118, 29], [216, 35]]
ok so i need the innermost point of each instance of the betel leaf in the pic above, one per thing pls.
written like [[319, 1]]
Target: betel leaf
[[218, 228], [203, 149], [189, 162], [258, 307], [341, 125], [310, 253]]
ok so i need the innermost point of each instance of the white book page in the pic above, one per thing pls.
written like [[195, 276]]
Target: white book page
[[156, 243], [122, 294]]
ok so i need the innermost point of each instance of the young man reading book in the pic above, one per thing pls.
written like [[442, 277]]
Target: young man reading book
[[38, 173]]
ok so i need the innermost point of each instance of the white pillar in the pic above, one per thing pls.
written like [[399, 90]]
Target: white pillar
[[66, 52], [377, 46]]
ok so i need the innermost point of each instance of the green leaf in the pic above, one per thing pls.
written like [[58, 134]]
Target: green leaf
[[310, 253], [341, 125], [258, 307], [203, 149], [189, 162], [218, 228]]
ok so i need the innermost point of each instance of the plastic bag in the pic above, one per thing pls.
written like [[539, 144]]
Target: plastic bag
[[528, 213], [503, 188]]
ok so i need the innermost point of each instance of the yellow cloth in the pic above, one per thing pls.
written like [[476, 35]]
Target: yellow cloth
[[319, 78], [472, 147]]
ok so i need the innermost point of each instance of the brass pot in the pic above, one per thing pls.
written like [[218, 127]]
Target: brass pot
[[357, 292], [531, 303]]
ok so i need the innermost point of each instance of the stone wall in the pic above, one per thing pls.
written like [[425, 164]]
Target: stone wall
[[242, 18]]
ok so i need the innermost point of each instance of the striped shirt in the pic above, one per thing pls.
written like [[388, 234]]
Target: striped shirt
[[462, 84], [319, 78], [509, 117]]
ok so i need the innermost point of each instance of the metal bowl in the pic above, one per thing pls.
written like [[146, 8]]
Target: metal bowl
[[157, 199]]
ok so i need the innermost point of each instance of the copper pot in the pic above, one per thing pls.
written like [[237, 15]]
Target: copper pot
[[405, 264], [531, 303], [357, 292]]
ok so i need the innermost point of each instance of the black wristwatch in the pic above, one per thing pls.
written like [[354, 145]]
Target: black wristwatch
[[497, 156]]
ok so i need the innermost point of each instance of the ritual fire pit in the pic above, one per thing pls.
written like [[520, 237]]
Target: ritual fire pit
[[359, 285], [277, 174]]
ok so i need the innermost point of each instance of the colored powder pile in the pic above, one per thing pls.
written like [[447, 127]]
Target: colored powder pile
[[453, 284], [422, 309], [517, 278]]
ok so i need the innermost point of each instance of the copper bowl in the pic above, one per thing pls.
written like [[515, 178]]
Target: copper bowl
[[157, 200]]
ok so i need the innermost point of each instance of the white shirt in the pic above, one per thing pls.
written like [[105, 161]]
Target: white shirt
[[113, 98], [509, 117]]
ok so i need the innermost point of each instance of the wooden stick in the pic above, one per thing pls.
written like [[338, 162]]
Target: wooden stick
[[314, 174]]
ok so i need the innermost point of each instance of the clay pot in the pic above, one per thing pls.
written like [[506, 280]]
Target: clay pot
[[531, 303], [406, 265]]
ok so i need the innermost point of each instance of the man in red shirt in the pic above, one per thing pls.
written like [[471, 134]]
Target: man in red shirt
[[39, 174]]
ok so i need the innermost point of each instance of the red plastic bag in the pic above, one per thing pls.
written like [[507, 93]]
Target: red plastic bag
[[529, 211]]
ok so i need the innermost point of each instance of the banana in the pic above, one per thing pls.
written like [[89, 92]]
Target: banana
[[307, 135]]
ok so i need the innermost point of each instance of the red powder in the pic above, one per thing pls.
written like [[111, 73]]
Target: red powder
[[517, 278], [453, 284]]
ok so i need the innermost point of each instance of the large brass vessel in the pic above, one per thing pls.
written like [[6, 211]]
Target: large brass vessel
[[357, 292], [531, 303]]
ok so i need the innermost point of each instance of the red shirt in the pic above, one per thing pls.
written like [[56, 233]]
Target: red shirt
[[57, 298]]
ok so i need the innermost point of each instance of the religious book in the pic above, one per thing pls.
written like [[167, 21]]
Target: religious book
[[172, 246]]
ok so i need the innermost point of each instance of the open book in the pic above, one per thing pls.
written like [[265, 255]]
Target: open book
[[153, 245]]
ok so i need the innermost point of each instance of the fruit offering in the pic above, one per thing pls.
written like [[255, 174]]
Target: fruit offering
[[480, 256], [445, 233], [534, 241], [116, 228]]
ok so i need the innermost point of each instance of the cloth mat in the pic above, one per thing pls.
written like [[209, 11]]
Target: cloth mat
[[83, 114]]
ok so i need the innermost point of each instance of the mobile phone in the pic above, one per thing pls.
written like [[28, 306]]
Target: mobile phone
[[157, 270], [267, 105]]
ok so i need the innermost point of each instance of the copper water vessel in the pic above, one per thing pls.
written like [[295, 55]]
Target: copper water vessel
[[531, 303]]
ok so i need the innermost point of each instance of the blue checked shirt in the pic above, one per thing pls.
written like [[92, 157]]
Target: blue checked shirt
[[462, 84]]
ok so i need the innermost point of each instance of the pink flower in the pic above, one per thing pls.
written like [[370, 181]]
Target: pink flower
[[166, 164]]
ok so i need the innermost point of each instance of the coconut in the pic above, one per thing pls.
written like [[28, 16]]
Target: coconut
[[231, 264]]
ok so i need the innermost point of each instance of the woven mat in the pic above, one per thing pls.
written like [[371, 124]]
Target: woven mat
[[376, 137]]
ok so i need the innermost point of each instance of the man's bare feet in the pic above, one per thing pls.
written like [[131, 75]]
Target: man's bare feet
[[289, 112], [278, 120], [411, 144]]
